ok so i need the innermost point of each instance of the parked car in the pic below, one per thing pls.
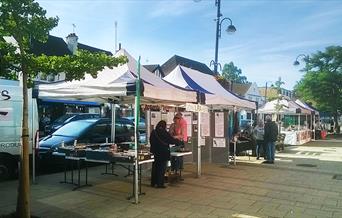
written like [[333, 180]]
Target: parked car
[[142, 124], [67, 118], [141, 127], [94, 130]]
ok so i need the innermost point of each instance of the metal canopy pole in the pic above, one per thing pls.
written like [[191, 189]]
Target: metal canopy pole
[[113, 108], [136, 135], [34, 141], [136, 163], [148, 125], [199, 158]]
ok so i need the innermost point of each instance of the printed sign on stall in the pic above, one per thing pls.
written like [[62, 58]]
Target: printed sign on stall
[[219, 124], [155, 117], [188, 117], [169, 117], [205, 124], [219, 142]]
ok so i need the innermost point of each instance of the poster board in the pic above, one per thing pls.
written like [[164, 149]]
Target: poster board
[[169, 117], [219, 142], [205, 124], [202, 141], [155, 117], [219, 124], [188, 117], [164, 116]]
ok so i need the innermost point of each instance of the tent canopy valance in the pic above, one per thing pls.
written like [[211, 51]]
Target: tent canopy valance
[[306, 106], [119, 83], [287, 107], [215, 94]]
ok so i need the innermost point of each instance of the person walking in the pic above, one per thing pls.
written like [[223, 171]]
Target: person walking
[[160, 141], [270, 137], [258, 133]]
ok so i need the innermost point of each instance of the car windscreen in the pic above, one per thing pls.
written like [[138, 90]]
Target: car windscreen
[[63, 118], [73, 129]]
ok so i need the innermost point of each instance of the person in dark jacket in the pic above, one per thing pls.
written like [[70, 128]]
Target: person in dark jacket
[[160, 141], [270, 137]]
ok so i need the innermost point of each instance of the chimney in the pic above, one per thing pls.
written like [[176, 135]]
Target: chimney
[[71, 41]]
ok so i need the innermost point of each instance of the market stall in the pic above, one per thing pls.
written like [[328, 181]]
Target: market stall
[[215, 127], [295, 120], [121, 85]]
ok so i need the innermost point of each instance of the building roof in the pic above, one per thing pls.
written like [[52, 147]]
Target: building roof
[[93, 49], [152, 67], [54, 46], [241, 89], [172, 63]]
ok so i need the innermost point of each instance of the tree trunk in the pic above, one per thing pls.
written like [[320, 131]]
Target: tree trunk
[[23, 201], [337, 127]]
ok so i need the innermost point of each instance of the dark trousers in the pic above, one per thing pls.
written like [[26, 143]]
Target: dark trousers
[[176, 163], [264, 148], [158, 171]]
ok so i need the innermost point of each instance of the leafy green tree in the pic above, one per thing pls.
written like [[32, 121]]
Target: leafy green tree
[[25, 20], [277, 86], [234, 74], [322, 83]]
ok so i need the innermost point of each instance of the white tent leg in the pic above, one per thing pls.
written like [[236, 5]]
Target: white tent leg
[[313, 127], [136, 141], [199, 158], [113, 108], [34, 141], [148, 126]]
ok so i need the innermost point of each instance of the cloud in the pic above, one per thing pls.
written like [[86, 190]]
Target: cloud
[[321, 20], [288, 46], [173, 8]]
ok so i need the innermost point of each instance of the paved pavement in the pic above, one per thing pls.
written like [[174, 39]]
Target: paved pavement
[[300, 184]]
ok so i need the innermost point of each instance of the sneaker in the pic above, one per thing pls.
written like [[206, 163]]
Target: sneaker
[[161, 186]]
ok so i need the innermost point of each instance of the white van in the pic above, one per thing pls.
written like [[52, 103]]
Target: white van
[[11, 106]]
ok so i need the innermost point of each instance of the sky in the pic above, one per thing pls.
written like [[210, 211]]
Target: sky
[[270, 34]]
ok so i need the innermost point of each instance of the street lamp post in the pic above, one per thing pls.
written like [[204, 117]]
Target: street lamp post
[[230, 29], [266, 91], [296, 62]]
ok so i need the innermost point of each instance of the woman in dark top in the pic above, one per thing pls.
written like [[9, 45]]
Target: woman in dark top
[[160, 141]]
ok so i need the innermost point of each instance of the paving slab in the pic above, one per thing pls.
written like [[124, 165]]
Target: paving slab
[[249, 189]]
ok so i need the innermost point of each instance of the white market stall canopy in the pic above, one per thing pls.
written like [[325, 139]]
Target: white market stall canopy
[[215, 94], [288, 107], [119, 83], [306, 106]]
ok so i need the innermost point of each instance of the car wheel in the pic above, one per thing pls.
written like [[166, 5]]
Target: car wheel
[[5, 170]]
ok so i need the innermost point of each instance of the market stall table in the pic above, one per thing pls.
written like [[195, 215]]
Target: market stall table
[[238, 147], [78, 160], [297, 137], [122, 159], [180, 154]]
